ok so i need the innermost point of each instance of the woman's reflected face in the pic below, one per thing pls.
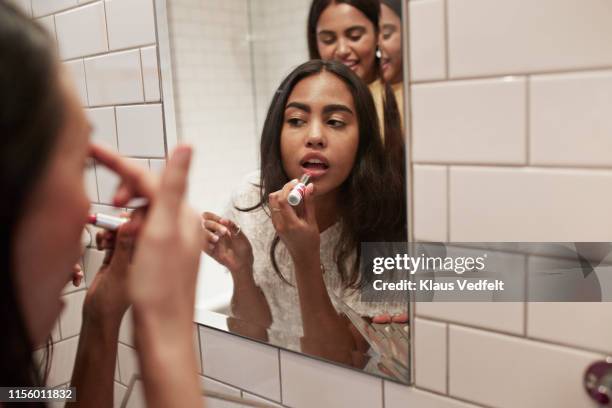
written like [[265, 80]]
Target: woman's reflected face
[[345, 34], [391, 45], [320, 133]]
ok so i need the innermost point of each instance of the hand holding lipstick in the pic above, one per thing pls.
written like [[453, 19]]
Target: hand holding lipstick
[[296, 226]]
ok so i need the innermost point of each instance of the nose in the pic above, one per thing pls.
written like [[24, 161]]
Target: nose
[[315, 138], [344, 50]]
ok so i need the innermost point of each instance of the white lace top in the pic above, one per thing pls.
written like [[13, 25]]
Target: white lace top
[[282, 298]]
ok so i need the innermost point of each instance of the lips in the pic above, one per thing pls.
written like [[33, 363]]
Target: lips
[[314, 164], [352, 64]]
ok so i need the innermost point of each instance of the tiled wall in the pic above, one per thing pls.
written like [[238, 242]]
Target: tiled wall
[[110, 49]]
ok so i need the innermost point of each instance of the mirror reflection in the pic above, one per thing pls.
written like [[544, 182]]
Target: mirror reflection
[[296, 110]]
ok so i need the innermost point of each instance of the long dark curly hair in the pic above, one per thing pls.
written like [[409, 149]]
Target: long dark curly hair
[[372, 198]]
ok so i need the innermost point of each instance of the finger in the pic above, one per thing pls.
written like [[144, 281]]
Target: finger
[[211, 216], [174, 183], [210, 238], [140, 183], [400, 318], [216, 228], [309, 205], [277, 218], [232, 226], [382, 318], [124, 246]]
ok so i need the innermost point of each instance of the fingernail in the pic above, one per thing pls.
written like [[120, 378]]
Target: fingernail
[[183, 152], [224, 231], [215, 238]]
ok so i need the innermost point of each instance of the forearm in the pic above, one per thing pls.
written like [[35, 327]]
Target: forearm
[[168, 362], [94, 366], [248, 300]]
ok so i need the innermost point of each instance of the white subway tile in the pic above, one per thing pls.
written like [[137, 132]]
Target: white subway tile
[[505, 37], [526, 204], [117, 377], [107, 184], [150, 74], [254, 398], [24, 5], [81, 31], [402, 396], [210, 385], [141, 130], [430, 355], [64, 353], [56, 335], [119, 394], [114, 78], [427, 40], [93, 262], [71, 317], [233, 360], [196, 346], [481, 121], [126, 330], [91, 184], [130, 23], [430, 203], [504, 371], [136, 398], [49, 23], [44, 7], [76, 70], [571, 119], [104, 127], [128, 363], [157, 166], [312, 383]]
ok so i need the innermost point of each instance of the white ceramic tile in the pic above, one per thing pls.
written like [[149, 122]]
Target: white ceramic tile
[[93, 262], [150, 74], [540, 205], [44, 7], [104, 127], [481, 121], [49, 23], [64, 353], [571, 119], [141, 130], [81, 31], [128, 363], [196, 346], [117, 376], [430, 203], [126, 330], [503, 371], [427, 40], [119, 392], [24, 5], [233, 360], [71, 317], [107, 184], [430, 354], [210, 385], [157, 166], [56, 335], [76, 70], [114, 78], [401, 396], [85, 1], [254, 398], [130, 23], [136, 399], [522, 36], [312, 383], [91, 184]]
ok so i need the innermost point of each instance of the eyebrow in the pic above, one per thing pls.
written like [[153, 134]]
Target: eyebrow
[[337, 108], [298, 105], [391, 26]]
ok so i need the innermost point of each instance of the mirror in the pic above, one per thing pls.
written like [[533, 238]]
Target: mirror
[[239, 85]]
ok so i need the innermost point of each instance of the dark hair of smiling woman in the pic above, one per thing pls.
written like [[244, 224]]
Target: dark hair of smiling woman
[[370, 8], [30, 119], [372, 198]]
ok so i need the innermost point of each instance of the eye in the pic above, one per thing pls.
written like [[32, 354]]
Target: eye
[[336, 123], [327, 39], [355, 37], [296, 122]]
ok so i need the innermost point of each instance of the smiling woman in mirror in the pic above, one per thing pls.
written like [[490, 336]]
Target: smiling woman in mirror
[[284, 259]]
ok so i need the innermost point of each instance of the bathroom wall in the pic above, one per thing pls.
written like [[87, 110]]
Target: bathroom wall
[[110, 50]]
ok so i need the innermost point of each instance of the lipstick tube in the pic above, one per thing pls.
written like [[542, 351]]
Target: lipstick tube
[[297, 193], [108, 222]]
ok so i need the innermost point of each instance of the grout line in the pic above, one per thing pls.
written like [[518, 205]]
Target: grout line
[[116, 128], [603, 168], [197, 329], [514, 335], [280, 376], [110, 52], [382, 388], [64, 10], [446, 41], [528, 119], [452, 398], [142, 77], [106, 26], [448, 204], [124, 104], [118, 366], [511, 74], [86, 86], [526, 296]]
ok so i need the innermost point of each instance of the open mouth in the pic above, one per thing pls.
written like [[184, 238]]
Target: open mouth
[[351, 64], [315, 166]]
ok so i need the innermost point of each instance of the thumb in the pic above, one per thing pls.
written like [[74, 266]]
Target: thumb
[[174, 181], [124, 245], [309, 205]]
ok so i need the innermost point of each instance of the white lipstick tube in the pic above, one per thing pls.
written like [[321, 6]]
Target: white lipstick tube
[[108, 222], [297, 193]]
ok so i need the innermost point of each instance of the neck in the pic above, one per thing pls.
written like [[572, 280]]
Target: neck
[[327, 210]]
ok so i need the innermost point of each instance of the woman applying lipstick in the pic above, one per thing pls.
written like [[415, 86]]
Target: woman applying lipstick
[[284, 259]]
